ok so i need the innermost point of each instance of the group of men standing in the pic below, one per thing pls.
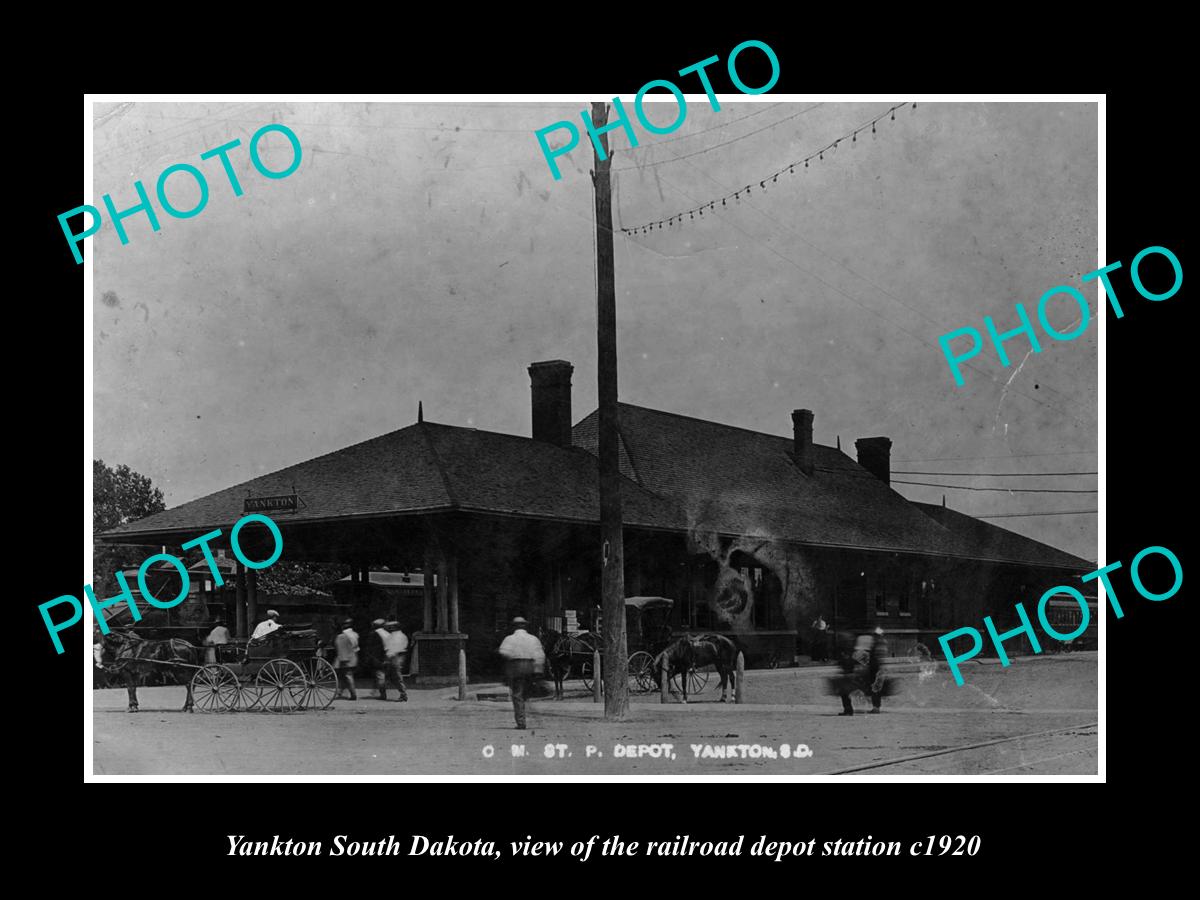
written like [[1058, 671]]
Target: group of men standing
[[383, 652]]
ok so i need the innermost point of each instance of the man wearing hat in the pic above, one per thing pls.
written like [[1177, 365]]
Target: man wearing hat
[[265, 628], [395, 645], [523, 658], [374, 657], [346, 644]]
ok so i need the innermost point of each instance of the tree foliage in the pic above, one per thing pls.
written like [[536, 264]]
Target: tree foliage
[[119, 495]]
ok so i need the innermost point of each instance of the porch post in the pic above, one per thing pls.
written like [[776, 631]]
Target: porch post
[[427, 590], [251, 598], [240, 594], [443, 593], [453, 593]]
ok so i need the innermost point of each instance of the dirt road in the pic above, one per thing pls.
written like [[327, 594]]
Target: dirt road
[[1051, 701]]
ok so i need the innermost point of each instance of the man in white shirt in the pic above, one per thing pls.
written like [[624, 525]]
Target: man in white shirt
[[219, 635], [523, 657], [346, 644], [265, 628], [395, 645]]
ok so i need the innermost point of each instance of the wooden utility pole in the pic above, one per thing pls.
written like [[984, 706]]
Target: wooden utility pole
[[612, 549]]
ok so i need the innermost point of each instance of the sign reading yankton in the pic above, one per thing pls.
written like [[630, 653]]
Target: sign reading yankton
[[283, 502], [342, 846]]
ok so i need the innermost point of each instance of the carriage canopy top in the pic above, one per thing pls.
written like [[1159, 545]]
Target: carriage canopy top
[[644, 603]]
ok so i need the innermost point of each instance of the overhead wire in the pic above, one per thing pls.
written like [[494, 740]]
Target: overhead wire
[[1063, 512], [992, 474], [1003, 490]]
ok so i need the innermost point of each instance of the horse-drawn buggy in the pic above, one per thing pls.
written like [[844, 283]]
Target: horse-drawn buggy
[[647, 631], [286, 670]]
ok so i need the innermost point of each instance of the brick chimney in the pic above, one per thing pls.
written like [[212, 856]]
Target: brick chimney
[[802, 420], [875, 455], [550, 383]]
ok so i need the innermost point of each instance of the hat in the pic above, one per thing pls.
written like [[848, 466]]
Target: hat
[[519, 621], [391, 623], [378, 623], [272, 613], [346, 623]]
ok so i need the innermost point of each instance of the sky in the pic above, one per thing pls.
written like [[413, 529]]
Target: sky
[[425, 252]]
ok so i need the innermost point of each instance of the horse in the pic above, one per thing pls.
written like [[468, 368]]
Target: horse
[[131, 656], [694, 652], [558, 658]]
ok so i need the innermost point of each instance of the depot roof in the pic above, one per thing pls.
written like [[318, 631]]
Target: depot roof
[[679, 474]]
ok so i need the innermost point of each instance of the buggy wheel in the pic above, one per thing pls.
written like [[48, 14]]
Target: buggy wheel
[[281, 686], [697, 680], [215, 688], [321, 684], [641, 672], [585, 673]]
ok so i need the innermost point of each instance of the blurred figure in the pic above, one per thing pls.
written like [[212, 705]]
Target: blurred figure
[[347, 658], [219, 635], [395, 646], [846, 683], [97, 647], [819, 651], [875, 679], [523, 658], [374, 658]]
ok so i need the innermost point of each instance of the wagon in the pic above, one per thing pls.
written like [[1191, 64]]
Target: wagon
[[287, 670], [647, 634]]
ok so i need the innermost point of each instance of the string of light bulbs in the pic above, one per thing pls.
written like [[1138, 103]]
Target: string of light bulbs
[[773, 178]]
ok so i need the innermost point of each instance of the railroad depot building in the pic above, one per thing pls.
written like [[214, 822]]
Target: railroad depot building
[[751, 534]]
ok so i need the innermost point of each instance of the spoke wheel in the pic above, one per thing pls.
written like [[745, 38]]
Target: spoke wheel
[[321, 684], [641, 672], [585, 672], [215, 689], [281, 686], [697, 681]]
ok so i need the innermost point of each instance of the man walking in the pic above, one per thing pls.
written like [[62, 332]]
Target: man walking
[[395, 646], [374, 660], [875, 676], [523, 658], [347, 658]]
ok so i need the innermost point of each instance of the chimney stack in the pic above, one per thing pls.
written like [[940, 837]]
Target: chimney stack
[[550, 383], [802, 420], [875, 455]]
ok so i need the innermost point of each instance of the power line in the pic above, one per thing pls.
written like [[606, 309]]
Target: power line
[[1008, 456], [959, 487], [786, 227], [993, 474], [790, 168], [663, 162], [684, 137], [899, 327], [1065, 512]]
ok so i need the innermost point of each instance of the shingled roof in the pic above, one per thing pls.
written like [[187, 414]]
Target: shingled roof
[[993, 542], [734, 481], [680, 474], [425, 467]]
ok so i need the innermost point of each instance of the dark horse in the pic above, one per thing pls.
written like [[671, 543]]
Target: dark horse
[[564, 650], [133, 657], [695, 651], [558, 658]]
